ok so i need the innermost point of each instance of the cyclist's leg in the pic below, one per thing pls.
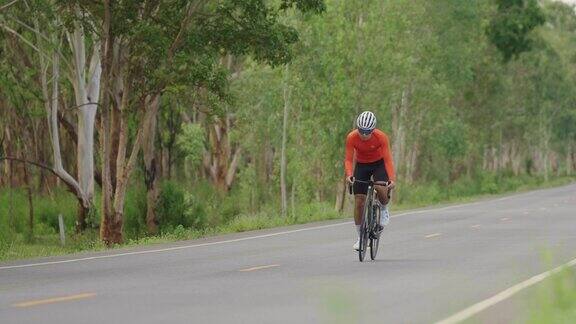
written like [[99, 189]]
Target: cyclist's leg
[[360, 190], [362, 172], [359, 200], [380, 175], [383, 194]]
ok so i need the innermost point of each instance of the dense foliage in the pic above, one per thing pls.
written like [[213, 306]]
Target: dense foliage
[[470, 92]]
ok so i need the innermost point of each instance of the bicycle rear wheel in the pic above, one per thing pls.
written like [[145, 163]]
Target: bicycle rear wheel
[[374, 237], [374, 246]]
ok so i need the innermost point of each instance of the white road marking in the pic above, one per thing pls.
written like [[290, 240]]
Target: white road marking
[[478, 307], [171, 248], [475, 226], [504, 219], [257, 236], [259, 268], [53, 300], [433, 235]]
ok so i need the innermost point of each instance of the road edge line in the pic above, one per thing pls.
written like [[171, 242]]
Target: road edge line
[[503, 295]]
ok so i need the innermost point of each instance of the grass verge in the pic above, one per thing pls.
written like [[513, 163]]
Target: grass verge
[[555, 300], [46, 242]]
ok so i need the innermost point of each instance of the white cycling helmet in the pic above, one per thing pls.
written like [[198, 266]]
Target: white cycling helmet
[[366, 121]]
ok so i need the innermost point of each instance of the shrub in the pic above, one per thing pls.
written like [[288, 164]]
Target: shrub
[[488, 183], [195, 215], [170, 207], [47, 209], [135, 212], [463, 186], [228, 209], [419, 194]]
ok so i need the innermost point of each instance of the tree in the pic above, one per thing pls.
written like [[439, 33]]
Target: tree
[[149, 46], [41, 29], [510, 29]]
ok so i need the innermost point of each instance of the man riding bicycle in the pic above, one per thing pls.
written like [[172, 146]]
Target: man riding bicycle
[[370, 148]]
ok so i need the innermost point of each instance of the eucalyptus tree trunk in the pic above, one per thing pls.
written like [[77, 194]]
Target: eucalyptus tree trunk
[[117, 164], [151, 164], [411, 149], [110, 225], [341, 189], [51, 105], [546, 154], [544, 146], [84, 187], [86, 90], [515, 158], [7, 152], [30, 204], [398, 128], [569, 161], [283, 162], [221, 161], [572, 157], [118, 74]]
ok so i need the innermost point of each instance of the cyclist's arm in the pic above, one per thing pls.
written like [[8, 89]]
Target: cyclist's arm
[[387, 156], [349, 157]]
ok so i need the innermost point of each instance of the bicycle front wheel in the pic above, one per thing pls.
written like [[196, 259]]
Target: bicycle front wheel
[[364, 238]]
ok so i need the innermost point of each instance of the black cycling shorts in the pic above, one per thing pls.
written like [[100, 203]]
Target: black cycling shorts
[[363, 172]]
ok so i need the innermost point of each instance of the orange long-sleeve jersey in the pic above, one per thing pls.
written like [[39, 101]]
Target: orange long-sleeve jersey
[[375, 148]]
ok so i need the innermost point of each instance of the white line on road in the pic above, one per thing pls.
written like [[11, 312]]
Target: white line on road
[[259, 268], [475, 226], [433, 235], [172, 248], [478, 307], [254, 237]]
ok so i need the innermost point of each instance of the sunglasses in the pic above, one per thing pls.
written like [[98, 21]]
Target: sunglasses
[[365, 131]]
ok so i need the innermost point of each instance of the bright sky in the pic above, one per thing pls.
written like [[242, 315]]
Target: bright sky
[[569, 1]]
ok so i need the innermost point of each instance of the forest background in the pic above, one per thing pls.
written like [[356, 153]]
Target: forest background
[[151, 121]]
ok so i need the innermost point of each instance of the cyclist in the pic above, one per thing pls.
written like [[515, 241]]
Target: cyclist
[[370, 148]]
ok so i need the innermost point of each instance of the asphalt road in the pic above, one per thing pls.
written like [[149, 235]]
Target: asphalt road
[[431, 264]]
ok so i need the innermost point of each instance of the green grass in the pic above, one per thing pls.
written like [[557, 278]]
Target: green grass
[[247, 222], [48, 245], [465, 190], [555, 299], [16, 244]]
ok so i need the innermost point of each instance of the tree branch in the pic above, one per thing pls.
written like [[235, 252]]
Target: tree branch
[[70, 186], [8, 5], [69, 128], [38, 164], [40, 36], [183, 26]]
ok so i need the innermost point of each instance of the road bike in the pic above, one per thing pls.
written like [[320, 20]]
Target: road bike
[[369, 229]]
